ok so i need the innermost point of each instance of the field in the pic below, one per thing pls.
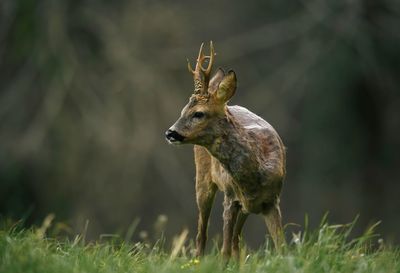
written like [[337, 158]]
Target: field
[[327, 249]]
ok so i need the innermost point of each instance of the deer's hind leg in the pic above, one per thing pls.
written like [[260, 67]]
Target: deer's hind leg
[[273, 219], [205, 194], [241, 219], [231, 210]]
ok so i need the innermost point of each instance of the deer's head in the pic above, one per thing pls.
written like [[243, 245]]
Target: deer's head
[[200, 118]]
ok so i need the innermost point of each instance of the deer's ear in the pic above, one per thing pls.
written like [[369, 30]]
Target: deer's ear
[[226, 88], [215, 81]]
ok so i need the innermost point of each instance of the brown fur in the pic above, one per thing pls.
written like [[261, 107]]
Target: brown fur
[[238, 153]]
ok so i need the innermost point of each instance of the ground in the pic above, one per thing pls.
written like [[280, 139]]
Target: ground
[[328, 249]]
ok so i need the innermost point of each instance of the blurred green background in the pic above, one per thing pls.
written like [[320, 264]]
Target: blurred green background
[[87, 89]]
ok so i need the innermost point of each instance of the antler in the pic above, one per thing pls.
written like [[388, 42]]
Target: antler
[[201, 75]]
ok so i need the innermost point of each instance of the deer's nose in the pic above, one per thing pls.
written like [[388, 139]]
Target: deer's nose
[[173, 136]]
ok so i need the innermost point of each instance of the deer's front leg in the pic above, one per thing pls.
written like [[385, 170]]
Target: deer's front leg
[[231, 209], [205, 193]]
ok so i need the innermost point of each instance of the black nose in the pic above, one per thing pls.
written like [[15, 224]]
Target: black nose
[[173, 135]]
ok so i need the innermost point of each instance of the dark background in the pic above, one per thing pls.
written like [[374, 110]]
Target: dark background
[[87, 89]]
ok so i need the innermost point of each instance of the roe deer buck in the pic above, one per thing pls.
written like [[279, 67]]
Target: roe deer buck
[[235, 151]]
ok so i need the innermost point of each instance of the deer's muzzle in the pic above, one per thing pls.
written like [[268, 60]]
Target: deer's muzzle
[[173, 136]]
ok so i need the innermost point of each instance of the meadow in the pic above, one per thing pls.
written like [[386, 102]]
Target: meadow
[[330, 248]]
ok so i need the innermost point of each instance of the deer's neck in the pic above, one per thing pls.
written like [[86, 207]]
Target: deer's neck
[[236, 152]]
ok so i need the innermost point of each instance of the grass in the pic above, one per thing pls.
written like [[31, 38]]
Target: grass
[[328, 249]]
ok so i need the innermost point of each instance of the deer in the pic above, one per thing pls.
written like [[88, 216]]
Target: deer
[[236, 152]]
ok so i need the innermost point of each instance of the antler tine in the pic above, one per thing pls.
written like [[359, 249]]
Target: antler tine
[[200, 59], [210, 60], [189, 66]]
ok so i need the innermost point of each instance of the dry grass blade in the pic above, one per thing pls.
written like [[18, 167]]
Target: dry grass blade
[[40, 232], [178, 243]]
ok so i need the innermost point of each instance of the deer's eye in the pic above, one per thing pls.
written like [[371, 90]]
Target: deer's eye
[[198, 115]]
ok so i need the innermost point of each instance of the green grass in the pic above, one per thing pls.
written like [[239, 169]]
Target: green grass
[[328, 249]]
